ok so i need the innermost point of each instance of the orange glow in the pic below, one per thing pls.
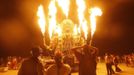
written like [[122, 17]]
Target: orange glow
[[85, 29], [41, 20], [75, 30], [52, 17], [64, 4], [58, 31], [81, 9], [94, 12], [79, 30]]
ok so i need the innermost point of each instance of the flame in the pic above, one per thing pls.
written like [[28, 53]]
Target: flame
[[41, 20], [58, 31], [52, 17], [64, 4], [85, 29], [75, 30], [81, 9], [79, 30], [94, 12]]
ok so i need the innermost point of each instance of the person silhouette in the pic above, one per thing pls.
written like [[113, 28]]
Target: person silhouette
[[86, 55], [58, 68], [32, 65]]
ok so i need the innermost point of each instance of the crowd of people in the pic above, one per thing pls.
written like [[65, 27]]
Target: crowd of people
[[114, 60], [11, 62], [111, 60], [86, 57], [129, 60]]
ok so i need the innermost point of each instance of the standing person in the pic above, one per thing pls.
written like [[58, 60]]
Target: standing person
[[59, 68], [116, 62], [14, 63], [32, 65], [109, 63], [87, 59]]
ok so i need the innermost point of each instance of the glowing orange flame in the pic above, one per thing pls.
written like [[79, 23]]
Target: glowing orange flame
[[94, 12], [41, 20], [79, 30], [64, 4], [85, 29], [52, 17], [58, 31], [75, 30], [81, 9]]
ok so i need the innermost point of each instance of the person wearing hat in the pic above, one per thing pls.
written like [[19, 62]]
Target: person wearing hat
[[32, 65], [58, 68]]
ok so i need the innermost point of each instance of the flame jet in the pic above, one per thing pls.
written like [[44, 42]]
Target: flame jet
[[64, 4], [94, 12], [52, 17], [41, 20], [83, 23]]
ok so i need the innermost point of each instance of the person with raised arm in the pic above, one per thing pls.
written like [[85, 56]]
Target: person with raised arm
[[86, 55]]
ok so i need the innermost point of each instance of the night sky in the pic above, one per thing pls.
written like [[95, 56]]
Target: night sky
[[19, 29]]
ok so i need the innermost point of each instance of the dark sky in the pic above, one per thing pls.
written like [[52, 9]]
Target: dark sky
[[19, 29]]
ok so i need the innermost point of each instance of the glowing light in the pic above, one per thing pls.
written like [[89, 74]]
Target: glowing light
[[41, 20], [94, 12], [64, 4], [79, 30], [75, 30], [81, 9], [85, 29], [52, 17], [58, 31]]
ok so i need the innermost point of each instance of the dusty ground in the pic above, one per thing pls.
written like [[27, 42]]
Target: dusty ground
[[101, 70]]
